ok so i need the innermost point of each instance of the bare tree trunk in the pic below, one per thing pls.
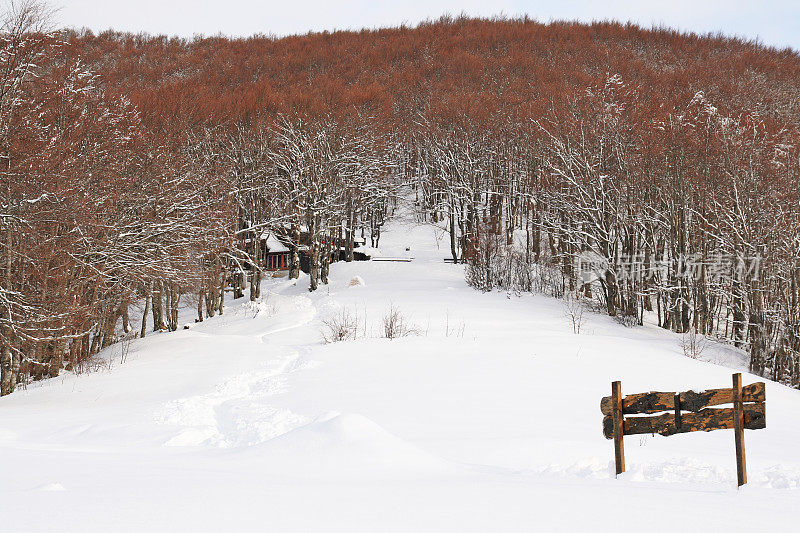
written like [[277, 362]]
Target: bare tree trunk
[[611, 293], [453, 248], [326, 259], [221, 300], [294, 258], [158, 310], [212, 301], [95, 345], [351, 221], [74, 352], [57, 357], [511, 219], [143, 330], [255, 280], [255, 285], [315, 251], [126, 319], [7, 377], [168, 306], [757, 329], [200, 298], [108, 329], [238, 285], [739, 317], [314, 271], [85, 348], [176, 299]]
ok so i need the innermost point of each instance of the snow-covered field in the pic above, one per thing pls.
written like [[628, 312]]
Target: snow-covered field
[[487, 419]]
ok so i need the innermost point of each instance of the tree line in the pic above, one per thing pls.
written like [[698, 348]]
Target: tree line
[[648, 170]]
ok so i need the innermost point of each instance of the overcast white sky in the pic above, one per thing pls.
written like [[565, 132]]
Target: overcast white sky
[[774, 22]]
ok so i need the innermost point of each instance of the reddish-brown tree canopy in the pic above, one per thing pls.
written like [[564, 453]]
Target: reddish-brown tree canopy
[[452, 66]]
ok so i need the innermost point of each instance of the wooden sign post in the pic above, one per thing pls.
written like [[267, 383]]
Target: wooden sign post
[[619, 447], [738, 429], [690, 411]]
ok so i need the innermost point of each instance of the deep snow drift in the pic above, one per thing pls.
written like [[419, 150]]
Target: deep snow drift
[[487, 419]]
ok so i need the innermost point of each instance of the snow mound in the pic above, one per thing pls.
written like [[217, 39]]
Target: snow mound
[[269, 314], [51, 487], [349, 443], [779, 477]]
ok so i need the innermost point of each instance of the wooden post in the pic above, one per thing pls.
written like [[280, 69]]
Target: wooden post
[[619, 450], [738, 429]]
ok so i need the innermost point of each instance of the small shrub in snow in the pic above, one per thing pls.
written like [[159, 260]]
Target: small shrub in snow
[[693, 344], [396, 326], [626, 320], [574, 307], [456, 330], [340, 327]]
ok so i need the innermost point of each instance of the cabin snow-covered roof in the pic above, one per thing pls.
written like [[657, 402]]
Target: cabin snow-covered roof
[[274, 245]]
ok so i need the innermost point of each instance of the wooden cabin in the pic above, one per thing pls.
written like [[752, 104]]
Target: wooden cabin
[[276, 251]]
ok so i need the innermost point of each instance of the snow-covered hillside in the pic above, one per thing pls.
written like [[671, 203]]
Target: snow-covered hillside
[[486, 419]]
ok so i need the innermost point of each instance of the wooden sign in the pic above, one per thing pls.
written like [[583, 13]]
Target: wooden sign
[[684, 412]]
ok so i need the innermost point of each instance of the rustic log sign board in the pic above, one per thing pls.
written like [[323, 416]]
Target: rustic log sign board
[[690, 411]]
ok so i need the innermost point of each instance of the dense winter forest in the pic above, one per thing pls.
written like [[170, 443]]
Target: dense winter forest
[[650, 171]]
